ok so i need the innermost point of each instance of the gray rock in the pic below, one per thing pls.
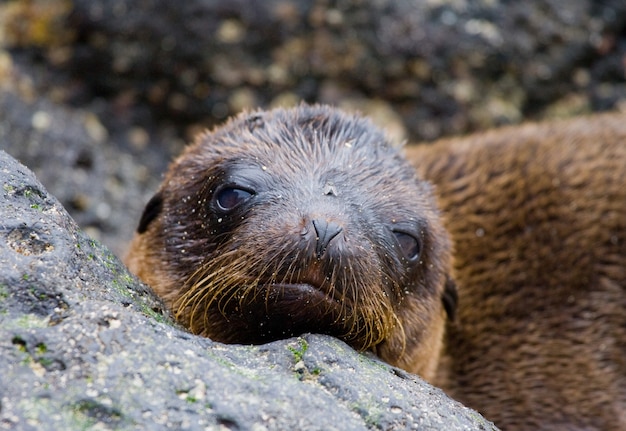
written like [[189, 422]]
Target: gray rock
[[443, 66], [105, 188], [83, 344]]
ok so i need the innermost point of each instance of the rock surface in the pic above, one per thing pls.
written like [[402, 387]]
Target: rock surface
[[441, 67], [103, 186], [84, 345]]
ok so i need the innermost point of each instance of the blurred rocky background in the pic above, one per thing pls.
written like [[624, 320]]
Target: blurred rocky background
[[97, 96]]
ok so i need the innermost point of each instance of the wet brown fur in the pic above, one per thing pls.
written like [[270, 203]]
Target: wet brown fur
[[230, 277], [537, 214]]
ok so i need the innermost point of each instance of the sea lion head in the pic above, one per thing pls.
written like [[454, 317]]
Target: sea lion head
[[300, 220]]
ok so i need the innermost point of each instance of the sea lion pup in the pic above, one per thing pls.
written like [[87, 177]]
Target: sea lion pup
[[537, 215], [300, 220]]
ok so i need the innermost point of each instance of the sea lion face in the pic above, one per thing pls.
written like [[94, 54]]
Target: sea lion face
[[294, 221]]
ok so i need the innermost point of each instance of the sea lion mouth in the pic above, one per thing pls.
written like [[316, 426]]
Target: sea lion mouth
[[299, 293], [277, 310]]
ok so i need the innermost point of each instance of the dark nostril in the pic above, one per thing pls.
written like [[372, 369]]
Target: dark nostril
[[326, 231]]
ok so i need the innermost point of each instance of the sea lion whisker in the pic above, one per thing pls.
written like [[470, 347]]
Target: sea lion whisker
[[191, 301], [227, 294]]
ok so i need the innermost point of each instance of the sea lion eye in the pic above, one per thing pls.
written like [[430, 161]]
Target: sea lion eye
[[409, 245], [230, 197]]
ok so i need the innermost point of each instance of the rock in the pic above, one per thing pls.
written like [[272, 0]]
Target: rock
[[445, 67], [85, 345], [103, 186]]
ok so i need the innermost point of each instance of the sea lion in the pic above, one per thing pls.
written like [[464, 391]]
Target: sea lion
[[309, 220], [300, 220], [537, 216]]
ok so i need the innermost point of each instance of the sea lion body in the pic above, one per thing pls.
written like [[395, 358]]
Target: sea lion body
[[308, 220], [537, 214], [303, 220]]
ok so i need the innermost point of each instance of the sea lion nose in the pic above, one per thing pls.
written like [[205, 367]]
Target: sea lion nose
[[326, 231]]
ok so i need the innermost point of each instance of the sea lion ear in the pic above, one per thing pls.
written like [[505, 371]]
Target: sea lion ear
[[450, 298], [152, 210]]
